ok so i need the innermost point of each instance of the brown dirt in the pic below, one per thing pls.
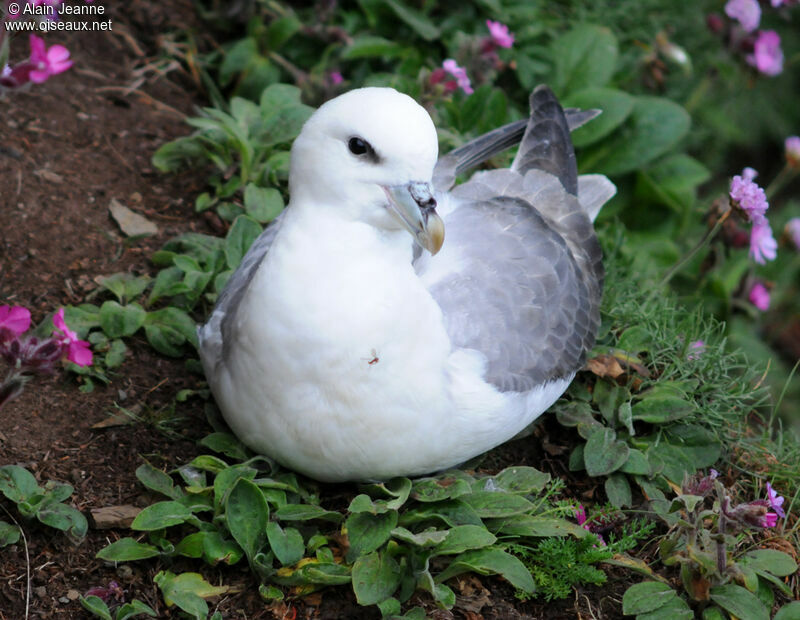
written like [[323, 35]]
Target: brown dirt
[[67, 147]]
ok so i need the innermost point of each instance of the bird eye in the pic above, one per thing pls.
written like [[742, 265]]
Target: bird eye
[[358, 146]]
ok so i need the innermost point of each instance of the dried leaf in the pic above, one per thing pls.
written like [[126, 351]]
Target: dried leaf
[[132, 224]]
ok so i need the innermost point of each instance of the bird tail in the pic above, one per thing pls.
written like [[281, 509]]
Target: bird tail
[[546, 144]]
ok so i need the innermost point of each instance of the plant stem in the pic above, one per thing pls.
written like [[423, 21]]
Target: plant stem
[[783, 177], [721, 550], [679, 265]]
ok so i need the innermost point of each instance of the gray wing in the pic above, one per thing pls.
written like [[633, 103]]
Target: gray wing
[[520, 275], [477, 151], [215, 333]]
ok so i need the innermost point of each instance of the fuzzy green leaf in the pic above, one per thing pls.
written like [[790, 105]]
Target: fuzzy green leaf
[[375, 578], [739, 602], [367, 532], [246, 513], [239, 239], [490, 561], [17, 483], [306, 512], [127, 550], [604, 453], [494, 504], [287, 544], [522, 480], [618, 490], [646, 596], [121, 321], [585, 57], [187, 591], [160, 515], [772, 561], [263, 204], [156, 480], [9, 534], [95, 605]]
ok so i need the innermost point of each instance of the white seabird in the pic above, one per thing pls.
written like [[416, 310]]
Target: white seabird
[[345, 353]]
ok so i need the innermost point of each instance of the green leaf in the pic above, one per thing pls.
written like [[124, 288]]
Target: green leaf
[[534, 526], [490, 561], [615, 105], [493, 504], [618, 490], [64, 518], [167, 329], [217, 548], [604, 453], [306, 512], [646, 596], [262, 204], [127, 550], [246, 513], [586, 56], [177, 154], [739, 602], [17, 483], [239, 239], [655, 126], [134, 608], [658, 409], [699, 444], [236, 59], [96, 606], [281, 30], [226, 444], [675, 609], [790, 611], [418, 22], [438, 489], [523, 480], [367, 532], [463, 538], [125, 286], [160, 515], [425, 539], [452, 512], [636, 464], [287, 545], [313, 572], [367, 46], [187, 591], [9, 534], [771, 561], [120, 321], [116, 353], [156, 480], [375, 578]]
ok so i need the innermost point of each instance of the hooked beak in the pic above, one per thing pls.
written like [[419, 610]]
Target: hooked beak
[[415, 207]]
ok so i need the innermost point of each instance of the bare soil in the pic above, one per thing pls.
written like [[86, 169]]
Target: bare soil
[[67, 148]]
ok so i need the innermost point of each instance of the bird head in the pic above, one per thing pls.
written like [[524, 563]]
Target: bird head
[[369, 155]]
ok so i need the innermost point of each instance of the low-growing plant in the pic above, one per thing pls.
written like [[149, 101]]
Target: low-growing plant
[[717, 570], [394, 538], [46, 505]]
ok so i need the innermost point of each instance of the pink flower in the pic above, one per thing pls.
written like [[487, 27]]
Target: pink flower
[[792, 146], [746, 12], [14, 319], [500, 34], [47, 62], [793, 231], [748, 196], [767, 56], [759, 296], [459, 73], [698, 346], [335, 77], [763, 246], [775, 501], [77, 350]]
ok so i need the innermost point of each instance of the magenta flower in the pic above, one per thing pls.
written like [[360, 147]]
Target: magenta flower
[[746, 12], [775, 501], [47, 62], [792, 146], [767, 55], [335, 77], [14, 319], [500, 34], [77, 350], [793, 231], [748, 196], [763, 246], [697, 347], [459, 73], [759, 296]]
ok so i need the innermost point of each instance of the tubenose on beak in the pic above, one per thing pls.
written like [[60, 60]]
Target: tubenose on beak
[[414, 206]]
